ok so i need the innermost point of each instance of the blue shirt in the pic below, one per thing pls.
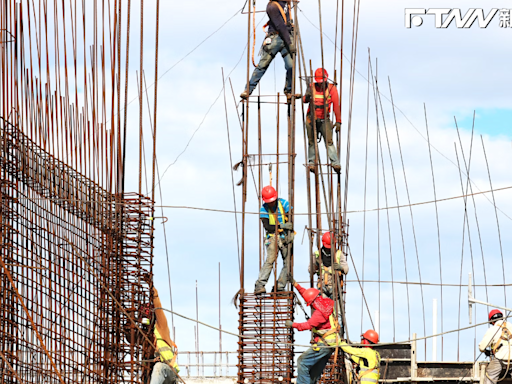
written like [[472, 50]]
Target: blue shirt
[[264, 211]]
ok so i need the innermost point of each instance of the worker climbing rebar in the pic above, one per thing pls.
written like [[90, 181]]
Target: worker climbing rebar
[[166, 368], [325, 268], [366, 357], [273, 215], [321, 95], [324, 325], [278, 39], [496, 344]]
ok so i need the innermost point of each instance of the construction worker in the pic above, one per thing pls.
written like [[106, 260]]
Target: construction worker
[[165, 348], [278, 39], [325, 327], [321, 94], [366, 357], [496, 344], [325, 275], [273, 213], [165, 351]]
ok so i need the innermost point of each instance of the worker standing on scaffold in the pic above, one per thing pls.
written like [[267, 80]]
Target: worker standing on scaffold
[[274, 211], [325, 274], [323, 94], [324, 325], [277, 40], [498, 338]]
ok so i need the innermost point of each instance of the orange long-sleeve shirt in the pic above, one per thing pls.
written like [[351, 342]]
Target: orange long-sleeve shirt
[[335, 101]]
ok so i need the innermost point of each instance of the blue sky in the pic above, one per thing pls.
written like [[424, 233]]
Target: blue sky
[[492, 122]]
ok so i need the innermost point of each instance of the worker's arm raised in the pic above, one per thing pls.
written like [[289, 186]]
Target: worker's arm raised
[[161, 319], [356, 353], [315, 321]]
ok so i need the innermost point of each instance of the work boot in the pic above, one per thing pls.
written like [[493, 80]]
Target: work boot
[[244, 95], [259, 291], [337, 168], [311, 168], [278, 291]]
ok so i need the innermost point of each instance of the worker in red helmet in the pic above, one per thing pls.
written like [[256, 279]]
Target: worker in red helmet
[[324, 325], [367, 358], [325, 265], [273, 214], [322, 95], [496, 344]]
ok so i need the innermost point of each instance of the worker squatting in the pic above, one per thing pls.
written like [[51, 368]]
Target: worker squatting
[[279, 234]]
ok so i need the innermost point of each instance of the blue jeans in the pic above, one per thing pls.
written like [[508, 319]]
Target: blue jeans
[[311, 364], [324, 127], [266, 269], [162, 374], [269, 52]]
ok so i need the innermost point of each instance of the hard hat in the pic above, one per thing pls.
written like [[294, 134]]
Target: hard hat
[[495, 314], [326, 240], [269, 194], [321, 75], [310, 295], [371, 336]]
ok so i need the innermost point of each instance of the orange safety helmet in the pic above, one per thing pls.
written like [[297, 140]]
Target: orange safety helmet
[[326, 240], [269, 194], [371, 336], [495, 314], [310, 295], [321, 75]]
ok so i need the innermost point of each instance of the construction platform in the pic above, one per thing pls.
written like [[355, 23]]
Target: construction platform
[[267, 356]]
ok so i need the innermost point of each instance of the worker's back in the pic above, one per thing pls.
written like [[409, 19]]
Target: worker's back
[[498, 339]]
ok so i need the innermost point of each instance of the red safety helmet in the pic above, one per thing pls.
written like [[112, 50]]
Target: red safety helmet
[[371, 336], [310, 295], [321, 75], [495, 314], [326, 240], [269, 194]]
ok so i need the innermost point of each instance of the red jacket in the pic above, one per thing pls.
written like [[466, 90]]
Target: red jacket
[[335, 101], [320, 318]]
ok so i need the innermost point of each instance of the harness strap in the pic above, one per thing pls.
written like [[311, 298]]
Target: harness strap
[[280, 10]]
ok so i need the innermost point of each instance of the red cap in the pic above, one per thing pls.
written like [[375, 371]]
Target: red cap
[[269, 194], [371, 336], [321, 75], [310, 295]]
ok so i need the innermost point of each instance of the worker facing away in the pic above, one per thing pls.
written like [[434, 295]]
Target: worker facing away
[[325, 268], [166, 368], [278, 40], [496, 344], [273, 214], [324, 325], [321, 94], [366, 358]]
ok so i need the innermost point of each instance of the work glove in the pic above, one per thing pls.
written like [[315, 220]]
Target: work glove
[[487, 352], [337, 126], [286, 225], [292, 49], [292, 280], [289, 324]]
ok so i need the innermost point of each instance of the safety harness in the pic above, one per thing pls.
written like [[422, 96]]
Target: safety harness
[[330, 336], [273, 216], [368, 370], [505, 336], [166, 353], [327, 272], [319, 97], [286, 21]]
